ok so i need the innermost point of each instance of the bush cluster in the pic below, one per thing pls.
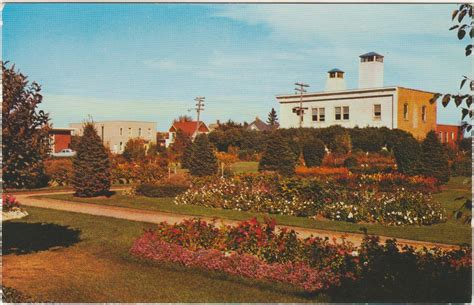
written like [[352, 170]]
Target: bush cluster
[[9, 202], [59, 171], [311, 197], [160, 190], [372, 272]]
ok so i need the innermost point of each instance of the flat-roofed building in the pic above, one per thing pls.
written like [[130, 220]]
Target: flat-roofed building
[[371, 105], [115, 134]]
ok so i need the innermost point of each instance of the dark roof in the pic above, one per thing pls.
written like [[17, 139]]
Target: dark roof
[[335, 70], [261, 125], [370, 54]]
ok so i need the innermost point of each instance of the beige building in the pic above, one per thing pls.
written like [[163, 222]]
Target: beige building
[[115, 134]]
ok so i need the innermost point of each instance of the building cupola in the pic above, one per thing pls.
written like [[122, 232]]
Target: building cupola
[[371, 70], [335, 80]]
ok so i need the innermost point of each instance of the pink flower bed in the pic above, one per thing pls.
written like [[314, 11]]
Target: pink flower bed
[[298, 274]]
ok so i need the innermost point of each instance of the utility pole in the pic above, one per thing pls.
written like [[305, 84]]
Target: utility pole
[[300, 110], [199, 107]]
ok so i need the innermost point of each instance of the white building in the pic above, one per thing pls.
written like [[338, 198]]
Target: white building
[[115, 134], [369, 105]]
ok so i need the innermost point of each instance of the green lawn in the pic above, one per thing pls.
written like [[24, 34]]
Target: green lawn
[[245, 167], [451, 232], [99, 269]]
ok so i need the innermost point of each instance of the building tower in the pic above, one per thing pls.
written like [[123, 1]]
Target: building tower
[[335, 81], [371, 70]]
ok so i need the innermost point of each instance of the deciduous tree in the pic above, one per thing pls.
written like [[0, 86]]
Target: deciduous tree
[[25, 131]]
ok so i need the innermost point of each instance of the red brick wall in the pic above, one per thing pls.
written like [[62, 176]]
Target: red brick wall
[[61, 141], [450, 134]]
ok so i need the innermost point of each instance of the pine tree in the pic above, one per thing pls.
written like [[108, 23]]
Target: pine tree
[[278, 156], [91, 165], [25, 132], [272, 118], [203, 161], [434, 158], [313, 152], [187, 156], [407, 151], [179, 145]]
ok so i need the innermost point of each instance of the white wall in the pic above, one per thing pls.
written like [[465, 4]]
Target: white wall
[[361, 109]]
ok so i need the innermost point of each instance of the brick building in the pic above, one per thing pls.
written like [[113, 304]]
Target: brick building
[[60, 138], [449, 134]]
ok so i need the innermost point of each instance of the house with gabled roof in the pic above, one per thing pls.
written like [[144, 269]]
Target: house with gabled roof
[[260, 125], [189, 128]]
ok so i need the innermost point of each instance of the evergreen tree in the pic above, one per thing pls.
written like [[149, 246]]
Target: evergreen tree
[[25, 132], [434, 158], [313, 153], [272, 118], [179, 145], [187, 156], [203, 161], [91, 165], [278, 156], [407, 153]]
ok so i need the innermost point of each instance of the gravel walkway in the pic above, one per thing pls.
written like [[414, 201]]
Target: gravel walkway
[[27, 199]]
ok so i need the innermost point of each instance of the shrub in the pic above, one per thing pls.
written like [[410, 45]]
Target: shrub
[[134, 150], [278, 157], [321, 171], [313, 153], [341, 144], [407, 155], [59, 171], [91, 165], [160, 190], [350, 162], [462, 167], [434, 159]]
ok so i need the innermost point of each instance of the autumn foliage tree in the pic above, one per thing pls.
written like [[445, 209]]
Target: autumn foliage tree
[[134, 149], [25, 131], [91, 165]]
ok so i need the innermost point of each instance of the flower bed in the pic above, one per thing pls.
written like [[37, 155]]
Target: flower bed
[[373, 271], [312, 197], [11, 208]]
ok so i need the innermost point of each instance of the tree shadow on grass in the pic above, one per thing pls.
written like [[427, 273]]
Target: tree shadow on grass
[[24, 238]]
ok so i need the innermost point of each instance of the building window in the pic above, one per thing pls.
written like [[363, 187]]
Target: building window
[[405, 112], [452, 135], [149, 132], [121, 146], [315, 114], [129, 131], [377, 111], [332, 75], [345, 113], [322, 116], [318, 114], [423, 113], [447, 137], [121, 131], [139, 132], [338, 113]]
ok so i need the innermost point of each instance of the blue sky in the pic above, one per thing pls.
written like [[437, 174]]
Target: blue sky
[[149, 61]]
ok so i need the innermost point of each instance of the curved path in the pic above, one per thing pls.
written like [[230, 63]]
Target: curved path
[[28, 199]]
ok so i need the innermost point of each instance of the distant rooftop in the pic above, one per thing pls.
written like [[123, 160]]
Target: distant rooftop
[[335, 70], [370, 54]]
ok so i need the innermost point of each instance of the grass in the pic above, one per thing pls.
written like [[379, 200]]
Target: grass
[[98, 268], [451, 232], [245, 167]]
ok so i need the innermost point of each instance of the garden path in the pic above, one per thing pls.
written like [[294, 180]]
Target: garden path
[[27, 199]]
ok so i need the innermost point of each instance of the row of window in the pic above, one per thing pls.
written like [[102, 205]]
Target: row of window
[[423, 112], [342, 113], [444, 136], [139, 131]]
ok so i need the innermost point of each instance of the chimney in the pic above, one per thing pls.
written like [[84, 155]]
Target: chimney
[[335, 80], [371, 70]]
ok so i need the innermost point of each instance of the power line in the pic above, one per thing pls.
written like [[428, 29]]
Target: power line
[[199, 107]]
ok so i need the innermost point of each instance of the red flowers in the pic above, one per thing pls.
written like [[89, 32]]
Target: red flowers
[[9, 202]]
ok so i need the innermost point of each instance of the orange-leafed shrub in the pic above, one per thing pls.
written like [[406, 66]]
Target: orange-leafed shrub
[[321, 171], [59, 171]]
